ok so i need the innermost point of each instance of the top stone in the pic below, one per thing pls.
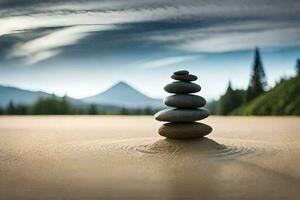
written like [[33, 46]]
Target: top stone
[[186, 78], [181, 72]]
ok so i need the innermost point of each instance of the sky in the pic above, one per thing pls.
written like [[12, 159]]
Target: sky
[[82, 47]]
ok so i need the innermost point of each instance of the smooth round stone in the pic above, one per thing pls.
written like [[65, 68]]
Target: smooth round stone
[[179, 87], [181, 115], [188, 130], [185, 101], [188, 77], [181, 72]]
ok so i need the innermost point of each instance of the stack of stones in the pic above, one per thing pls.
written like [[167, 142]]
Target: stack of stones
[[186, 109]]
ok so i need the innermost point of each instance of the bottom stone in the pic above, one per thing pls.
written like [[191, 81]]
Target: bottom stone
[[187, 130]]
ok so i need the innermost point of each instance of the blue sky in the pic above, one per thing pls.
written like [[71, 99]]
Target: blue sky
[[80, 48]]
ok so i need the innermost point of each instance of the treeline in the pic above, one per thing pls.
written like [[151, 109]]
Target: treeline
[[54, 105], [283, 99], [256, 100]]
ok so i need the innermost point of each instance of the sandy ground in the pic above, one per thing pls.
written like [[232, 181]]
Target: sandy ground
[[95, 157]]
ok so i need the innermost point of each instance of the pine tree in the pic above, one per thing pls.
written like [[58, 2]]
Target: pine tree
[[231, 100], [298, 66], [224, 106], [124, 111], [258, 78], [66, 107], [11, 108], [21, 109], [92, 110]]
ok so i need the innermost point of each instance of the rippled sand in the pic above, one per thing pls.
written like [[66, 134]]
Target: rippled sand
[[86, 157]]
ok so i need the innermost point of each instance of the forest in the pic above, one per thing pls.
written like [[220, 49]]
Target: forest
[[54, 105], [282, 99]]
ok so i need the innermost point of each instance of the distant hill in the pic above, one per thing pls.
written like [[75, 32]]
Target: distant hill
[[119, 95], [123, 95], [19, 96], [27, 97], [283, 99]]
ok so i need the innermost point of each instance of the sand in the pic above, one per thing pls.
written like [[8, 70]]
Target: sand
[[114, 157]]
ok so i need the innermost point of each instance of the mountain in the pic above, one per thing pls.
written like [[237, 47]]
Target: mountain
[[283, 99], [19, 96], [119, 95], [26, 97], [122, 94]]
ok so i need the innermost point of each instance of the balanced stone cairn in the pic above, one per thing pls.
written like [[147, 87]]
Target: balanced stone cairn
[[186, 109]]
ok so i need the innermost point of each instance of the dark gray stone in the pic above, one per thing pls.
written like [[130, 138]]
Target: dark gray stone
[[180, 87], [181, 72], [187, 78], [184, 101], [181, 115], [188, 130]]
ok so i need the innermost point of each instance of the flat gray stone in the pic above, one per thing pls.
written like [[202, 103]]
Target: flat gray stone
[[179, 87], [185, 101], [181, 72], [188, 130], [187, 78], [181, 115]]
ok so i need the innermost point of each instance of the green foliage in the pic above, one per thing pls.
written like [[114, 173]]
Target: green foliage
[[92, 110], [283, 99], [298, 66], [13, 109], [258, 79], [138, 111], [54, 105], [231, 100]]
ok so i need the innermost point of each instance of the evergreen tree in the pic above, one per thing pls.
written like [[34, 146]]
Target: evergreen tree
[[21, 110], [66, 107], [52, 105], [231, 100], [258, 78], [92, 110], [124, 111], [298, 66], [11, 108], [225, 100], [147, 111]]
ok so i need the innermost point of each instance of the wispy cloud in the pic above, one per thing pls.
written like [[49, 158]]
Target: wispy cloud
[[48, 46], [232, 37], [40, 56], [226, 42], [163, 62], [81, 21], [92, 17]]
